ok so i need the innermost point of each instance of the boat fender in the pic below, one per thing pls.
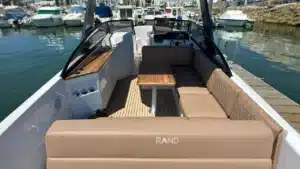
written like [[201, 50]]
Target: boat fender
[[52, 19]]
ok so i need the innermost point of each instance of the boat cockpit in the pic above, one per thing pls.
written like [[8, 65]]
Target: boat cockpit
[[157, 96]]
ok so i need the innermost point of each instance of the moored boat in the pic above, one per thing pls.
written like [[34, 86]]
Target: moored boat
[[103, 13], [48, 17], [126, 12], [233, 18], [76, 17], [4, 23]]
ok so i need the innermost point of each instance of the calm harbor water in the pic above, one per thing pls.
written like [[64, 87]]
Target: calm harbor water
[[30, 57], [271, 52]]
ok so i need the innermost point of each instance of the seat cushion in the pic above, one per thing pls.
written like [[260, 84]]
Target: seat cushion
[[185, 76], [192, 90], [159, 138], [195, 105], [246, 109], [224, 90], [153, 163]]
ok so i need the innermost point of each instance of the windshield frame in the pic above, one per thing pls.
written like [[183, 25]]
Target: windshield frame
[[74, 60]]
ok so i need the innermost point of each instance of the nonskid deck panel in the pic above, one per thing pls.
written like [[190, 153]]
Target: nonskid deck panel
[[128, 100]]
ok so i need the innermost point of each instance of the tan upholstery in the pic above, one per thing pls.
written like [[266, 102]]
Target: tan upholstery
[[246, 109], [192, 90], [187, 81], [224, 90], [146, 163], [167, 55], [199, 105], [159, 138]]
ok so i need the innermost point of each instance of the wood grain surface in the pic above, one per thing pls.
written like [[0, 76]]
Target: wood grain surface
[[93, 66], [156, 80]]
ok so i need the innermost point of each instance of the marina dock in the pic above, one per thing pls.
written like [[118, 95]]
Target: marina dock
[[286, 107]]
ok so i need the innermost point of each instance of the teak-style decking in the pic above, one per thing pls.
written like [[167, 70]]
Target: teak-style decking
[[286, 107], [129, 100]]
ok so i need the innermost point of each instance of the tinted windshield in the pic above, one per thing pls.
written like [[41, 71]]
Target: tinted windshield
[[55, 12], [94, 41], [158, 13], [150, 13]]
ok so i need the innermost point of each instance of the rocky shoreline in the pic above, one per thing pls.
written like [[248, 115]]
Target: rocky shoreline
[[287, 14], [266, 12]]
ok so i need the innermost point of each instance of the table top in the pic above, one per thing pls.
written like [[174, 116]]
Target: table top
[[156, 80]]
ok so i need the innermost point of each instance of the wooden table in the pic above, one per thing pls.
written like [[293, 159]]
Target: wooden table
[[154, 81]]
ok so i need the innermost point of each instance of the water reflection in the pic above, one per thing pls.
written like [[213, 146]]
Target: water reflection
[[31, 57], [280, 46], [271, 52], [51, 37]]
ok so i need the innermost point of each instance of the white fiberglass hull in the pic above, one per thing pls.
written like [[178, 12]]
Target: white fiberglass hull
[[232, 22], [48, 22], [5, 24]]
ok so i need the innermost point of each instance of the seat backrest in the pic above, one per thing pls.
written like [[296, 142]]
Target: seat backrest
[[159, 138], [167, 55], [224, 90], [203, 66], [246, 109]]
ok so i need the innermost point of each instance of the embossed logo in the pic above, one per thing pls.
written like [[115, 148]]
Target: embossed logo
[[167, 140]]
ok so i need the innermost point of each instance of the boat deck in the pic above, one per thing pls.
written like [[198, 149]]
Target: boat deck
[[286, 107], [128, 100]]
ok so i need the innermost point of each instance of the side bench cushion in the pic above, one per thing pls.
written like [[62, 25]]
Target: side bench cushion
[[159, 138], [224, 90], [187, 81], [246, 109], [201, 105], [192, 90]]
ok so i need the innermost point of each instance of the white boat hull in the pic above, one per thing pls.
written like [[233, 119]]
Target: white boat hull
[[73, 22], [48, 22], [232, 22], [5, 24]]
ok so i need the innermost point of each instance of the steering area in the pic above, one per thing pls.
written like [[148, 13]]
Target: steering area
[[175, 38]]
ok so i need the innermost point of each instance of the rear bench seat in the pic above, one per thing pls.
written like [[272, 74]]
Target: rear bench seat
[[135, 143], [195, 99]]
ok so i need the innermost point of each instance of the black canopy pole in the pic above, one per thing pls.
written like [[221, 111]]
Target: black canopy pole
[[206, 18]]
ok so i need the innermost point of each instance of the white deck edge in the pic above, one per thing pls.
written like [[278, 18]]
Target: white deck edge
[[292, 137], [19, 111]]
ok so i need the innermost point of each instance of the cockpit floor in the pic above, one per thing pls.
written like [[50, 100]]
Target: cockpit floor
[[128, 100]]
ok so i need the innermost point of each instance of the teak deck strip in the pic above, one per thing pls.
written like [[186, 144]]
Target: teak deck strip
[[128, 100], [93, 66], [286, 107], [156, 80]]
